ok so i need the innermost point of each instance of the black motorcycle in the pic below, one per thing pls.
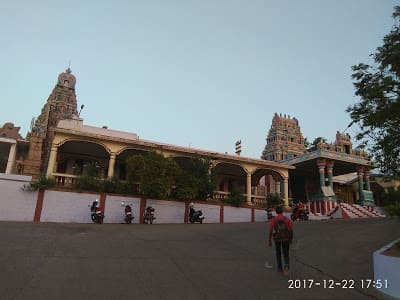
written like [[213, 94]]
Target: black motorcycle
[[149, 215], [302, 215], [96, 214], [128, 215], [195, 216]]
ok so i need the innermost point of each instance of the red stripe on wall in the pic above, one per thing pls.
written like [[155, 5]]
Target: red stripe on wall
[[186, 216], [143, 203], [103, 203], [39, 206]]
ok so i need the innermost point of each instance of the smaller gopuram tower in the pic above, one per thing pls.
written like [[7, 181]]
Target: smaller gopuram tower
[[61, 104], [343, 143], [284, 140]]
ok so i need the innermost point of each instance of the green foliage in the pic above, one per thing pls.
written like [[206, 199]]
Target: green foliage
[[155, 173], [235, 198], [378, 112], [274, 199], [195, 180], [114, 186], [306, 143], [88, 183], [314, 145], [42, 182], [391, 202]]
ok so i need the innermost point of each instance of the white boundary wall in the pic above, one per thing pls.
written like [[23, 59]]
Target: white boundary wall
[[167, 211], [210, 212], [16, 204], [260, 215], [68, 206], [236, 214], [59, 206]]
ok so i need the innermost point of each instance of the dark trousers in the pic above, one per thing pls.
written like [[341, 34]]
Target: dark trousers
[[282, 247]]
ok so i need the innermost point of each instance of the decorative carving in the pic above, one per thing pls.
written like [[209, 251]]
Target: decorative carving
[[10, 131], [284, 140]]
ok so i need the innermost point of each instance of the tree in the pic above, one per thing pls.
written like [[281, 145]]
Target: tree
[[155, 173], [391, 201], [306, 143], [314, 145], [195, 181], [378, 112], [274, 199], [234, 198]]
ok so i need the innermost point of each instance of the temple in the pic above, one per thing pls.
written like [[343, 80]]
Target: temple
[[59, 145], [319, 177], [284, 139]]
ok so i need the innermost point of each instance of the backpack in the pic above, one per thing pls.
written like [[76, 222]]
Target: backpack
[[282, 233]]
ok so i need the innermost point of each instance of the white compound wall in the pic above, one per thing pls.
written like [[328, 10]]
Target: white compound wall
[[15, 203]]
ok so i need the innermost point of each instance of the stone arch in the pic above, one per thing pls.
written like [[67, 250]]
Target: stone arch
[[259, 172], [265, 181], [74, 155], [120, 160], [229, 177]]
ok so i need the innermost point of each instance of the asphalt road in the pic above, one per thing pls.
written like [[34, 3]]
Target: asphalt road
[[193, 261]]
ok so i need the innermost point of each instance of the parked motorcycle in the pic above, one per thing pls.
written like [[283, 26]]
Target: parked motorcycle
[[96, 213], [128, 215], [304, 215], [299, 213], [149, 215], [195, 215]]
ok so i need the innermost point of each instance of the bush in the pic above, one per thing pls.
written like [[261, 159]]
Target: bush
[[42, 182], [235, 198], [114, 186], [274, 199], [391, 202], [88, 183]]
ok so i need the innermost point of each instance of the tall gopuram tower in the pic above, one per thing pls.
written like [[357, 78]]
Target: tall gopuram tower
[[61, 104], [284, 140]]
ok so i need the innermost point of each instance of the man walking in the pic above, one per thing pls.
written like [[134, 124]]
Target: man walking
[[281, 230]]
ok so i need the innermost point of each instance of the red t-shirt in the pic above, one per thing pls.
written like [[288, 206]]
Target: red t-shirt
[[281, 217]]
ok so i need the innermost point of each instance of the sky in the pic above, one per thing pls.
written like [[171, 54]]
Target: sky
[[192, 73]]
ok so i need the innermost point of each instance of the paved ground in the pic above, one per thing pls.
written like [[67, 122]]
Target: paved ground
[[208, 261]]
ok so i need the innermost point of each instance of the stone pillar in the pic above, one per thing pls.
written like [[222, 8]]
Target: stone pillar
[[286, 191], [248, 188], [329, 169], [278, 187], [321, 167], [52, 161], [360, 175], [11, 158], [367, 181], [111, 165]]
